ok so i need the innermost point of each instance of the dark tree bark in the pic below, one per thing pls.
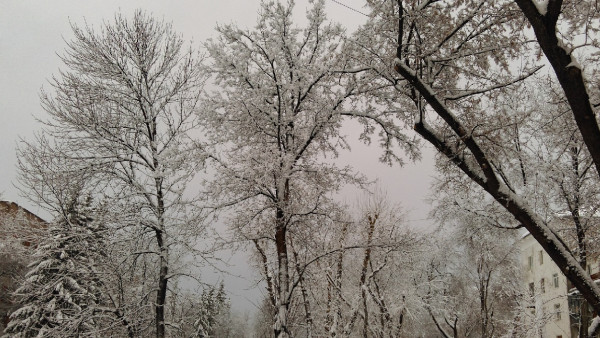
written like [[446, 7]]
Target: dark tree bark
[[485, 177], [481, 171], [567, 71]]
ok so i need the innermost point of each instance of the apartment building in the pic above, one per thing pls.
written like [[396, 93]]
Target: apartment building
[[556, 309]]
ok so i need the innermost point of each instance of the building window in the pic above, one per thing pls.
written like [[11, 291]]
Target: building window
[[555, 280], [543, 285], [541, 257], [530, 261], [557, 314], [531, 289]]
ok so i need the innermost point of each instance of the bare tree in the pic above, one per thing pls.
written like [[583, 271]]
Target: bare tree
[[451, 60], [122, 111], [355, 273], [282, 91]]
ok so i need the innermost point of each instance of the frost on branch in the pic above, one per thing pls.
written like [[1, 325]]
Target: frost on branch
[[283, 91], [122, 111], [456, 73]]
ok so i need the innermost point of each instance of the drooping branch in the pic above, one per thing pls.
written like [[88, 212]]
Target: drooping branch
[[452, 121], [555, 248]]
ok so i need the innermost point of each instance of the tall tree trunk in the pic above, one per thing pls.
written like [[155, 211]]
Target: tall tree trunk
[[334, 306], [576, 207], [363, 281], [280, 327], [569, 75], [306, 301], [161, 294], [484, 284], [363, 277]]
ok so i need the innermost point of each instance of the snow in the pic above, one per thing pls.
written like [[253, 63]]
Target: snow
[[542, 6], [573, 63], [594, 325], [418, 119], [564, 46], [571, 263]]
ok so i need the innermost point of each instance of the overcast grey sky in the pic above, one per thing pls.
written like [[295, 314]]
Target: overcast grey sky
[[33, 32]]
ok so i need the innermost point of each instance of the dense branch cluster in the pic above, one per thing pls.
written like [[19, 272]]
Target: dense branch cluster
[[506, 92]]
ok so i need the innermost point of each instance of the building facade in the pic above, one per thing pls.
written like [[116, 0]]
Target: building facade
[[555, 309], [18, 230]]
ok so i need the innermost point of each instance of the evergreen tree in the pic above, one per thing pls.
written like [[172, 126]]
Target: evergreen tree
[[61, 293], [214, 309]]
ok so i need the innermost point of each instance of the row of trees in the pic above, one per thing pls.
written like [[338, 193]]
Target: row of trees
[[463, 280], [124, 123], [462, 71]]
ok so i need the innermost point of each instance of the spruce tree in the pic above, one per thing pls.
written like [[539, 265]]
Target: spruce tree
[[61, 293], [214, 312]]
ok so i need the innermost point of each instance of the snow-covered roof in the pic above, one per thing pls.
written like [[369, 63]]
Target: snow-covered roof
[[8, 207]]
